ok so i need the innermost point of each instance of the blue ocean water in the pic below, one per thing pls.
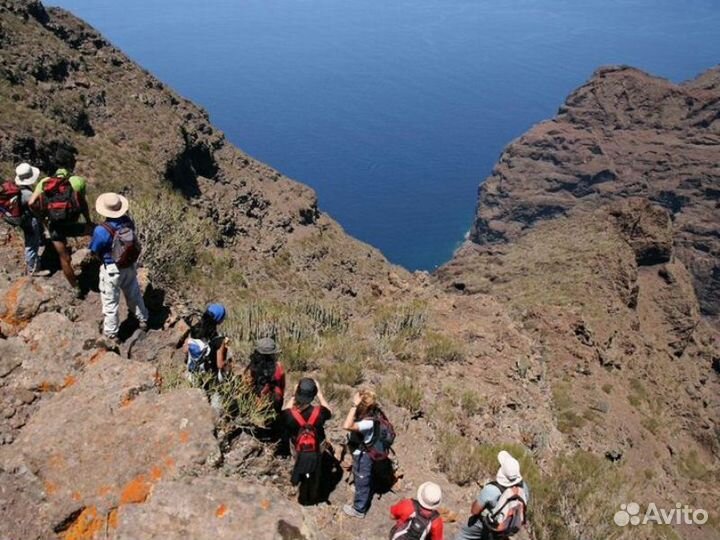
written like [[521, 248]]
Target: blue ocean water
[[395, 110]]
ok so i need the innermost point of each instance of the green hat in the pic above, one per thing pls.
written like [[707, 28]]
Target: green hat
[[62, 173]]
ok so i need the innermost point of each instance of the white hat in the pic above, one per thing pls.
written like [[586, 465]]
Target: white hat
[[111, 205], [429, 495], [26, 174], [509, 472]]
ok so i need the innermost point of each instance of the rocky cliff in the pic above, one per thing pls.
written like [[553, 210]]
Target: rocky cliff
[[623, 134], [574, 338]]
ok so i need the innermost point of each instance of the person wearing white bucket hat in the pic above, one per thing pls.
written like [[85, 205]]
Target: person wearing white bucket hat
[[419, 518], [115, 243], [501, 505], [14, 207]]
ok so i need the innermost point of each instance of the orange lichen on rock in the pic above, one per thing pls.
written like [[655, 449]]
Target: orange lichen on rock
[[50, 488], [221, 511], [265, 504], [56, 461], [11, 301], [46, 387], [184, 436], [76, 496], [169, 462], [112, 518], [69, 381], [156, 473], [97, 355], [104, 491], [127, 400], [85, 527], [136, 491]]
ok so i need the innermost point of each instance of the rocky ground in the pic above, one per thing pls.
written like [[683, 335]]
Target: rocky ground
[[576, 331]]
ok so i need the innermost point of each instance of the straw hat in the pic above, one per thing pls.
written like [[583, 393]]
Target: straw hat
[[26, 174], [509, 472], [111, 205], [429, 495]]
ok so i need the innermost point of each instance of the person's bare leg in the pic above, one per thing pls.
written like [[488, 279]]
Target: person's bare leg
[[65, 262]]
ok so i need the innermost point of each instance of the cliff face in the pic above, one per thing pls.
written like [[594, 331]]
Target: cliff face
[[623, 134]]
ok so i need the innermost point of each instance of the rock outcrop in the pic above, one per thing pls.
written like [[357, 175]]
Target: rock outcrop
[[623, 134]]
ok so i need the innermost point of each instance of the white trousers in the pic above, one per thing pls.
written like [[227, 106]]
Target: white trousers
[[112, 281]]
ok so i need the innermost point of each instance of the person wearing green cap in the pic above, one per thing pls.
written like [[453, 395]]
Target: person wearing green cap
[[60, 199]]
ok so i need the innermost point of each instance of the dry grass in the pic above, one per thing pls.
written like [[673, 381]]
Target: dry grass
[[403, 392]]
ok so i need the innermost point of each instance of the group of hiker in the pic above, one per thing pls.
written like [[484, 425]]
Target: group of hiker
[[52, 207], [56, 204], [498, 512]]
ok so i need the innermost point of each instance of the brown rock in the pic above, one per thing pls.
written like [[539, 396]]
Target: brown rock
[[109, 438], [213, 508], [647, 228]]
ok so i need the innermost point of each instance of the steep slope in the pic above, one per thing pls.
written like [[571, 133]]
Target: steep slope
[[622, 134], [70, 98]]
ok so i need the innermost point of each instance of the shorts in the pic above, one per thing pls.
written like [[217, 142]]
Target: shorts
[[61, 230]]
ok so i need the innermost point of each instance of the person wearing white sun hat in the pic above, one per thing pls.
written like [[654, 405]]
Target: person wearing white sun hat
[[26, 176], [500, 509], [115, 243], [419, 518]]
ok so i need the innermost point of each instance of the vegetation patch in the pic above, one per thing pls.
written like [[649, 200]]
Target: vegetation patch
[[403, 392]]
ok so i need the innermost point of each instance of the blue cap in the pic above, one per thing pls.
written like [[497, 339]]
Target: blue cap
[[216, 312]]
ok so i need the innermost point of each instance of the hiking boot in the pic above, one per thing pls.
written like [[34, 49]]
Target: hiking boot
[[350, 511], [143, 325], [108, 343], [41, 273]]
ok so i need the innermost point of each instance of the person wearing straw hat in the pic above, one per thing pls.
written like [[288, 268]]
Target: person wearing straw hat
[[26, 176], [67, 191], [501, 504], [115, 244], [419, 517]]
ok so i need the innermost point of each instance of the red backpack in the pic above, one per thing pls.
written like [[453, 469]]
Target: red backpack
[[307, 437], [11, 203], [59, 201]]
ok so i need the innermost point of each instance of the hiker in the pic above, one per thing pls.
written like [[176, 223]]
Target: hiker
[[60, 200], [206, 348], [303, 425], [15, 210], [266, 373], [115, 243], [371, 436], [500, 508], [418, 519]]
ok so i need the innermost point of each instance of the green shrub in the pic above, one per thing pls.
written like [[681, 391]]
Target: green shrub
[[441, 350], [405, 393], [406, 321], [298, 356], [470, 402], [568, 420], [339, 395], [459, 458], [171, 235], [241, 407], [344, 373]]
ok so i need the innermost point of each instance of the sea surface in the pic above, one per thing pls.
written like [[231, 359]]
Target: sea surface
[[395, 110]]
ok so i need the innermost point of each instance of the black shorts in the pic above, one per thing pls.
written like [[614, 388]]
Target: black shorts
[[61, 230]]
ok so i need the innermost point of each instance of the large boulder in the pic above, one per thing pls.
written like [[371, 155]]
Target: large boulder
[[58, 348], [107, 439], [213, 509]]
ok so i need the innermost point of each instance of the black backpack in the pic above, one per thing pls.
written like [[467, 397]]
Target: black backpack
[[417, 527]]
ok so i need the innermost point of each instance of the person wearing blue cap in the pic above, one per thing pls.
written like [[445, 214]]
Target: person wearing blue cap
[[206, 349]]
